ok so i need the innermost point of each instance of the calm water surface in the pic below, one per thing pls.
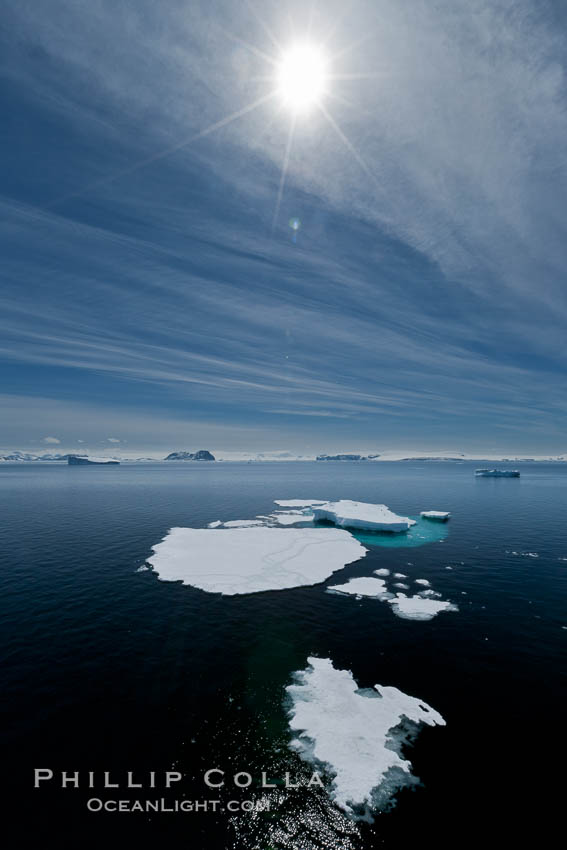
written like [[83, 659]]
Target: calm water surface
[[108, 668]]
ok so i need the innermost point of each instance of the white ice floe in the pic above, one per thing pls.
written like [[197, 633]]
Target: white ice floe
[[241, 523], [401, 585], [347, 514], [357, 734], [382, 572], [375, 588], [298, 503], [250, 560], [422, 581], [419, 607], [400, 575], [216, 524], [439, 515]]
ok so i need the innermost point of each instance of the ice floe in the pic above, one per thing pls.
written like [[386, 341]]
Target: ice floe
[[356, 734], [241, 523], [251, 560], [347, 514], [382, 572], [423, 606], [422, 581], [290, 518], [419, 607], [362, 586], [441, 516], [216, 524]]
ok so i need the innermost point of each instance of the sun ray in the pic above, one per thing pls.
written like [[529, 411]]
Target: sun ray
[[264, 25], [166, 152], [284, 171], [248, 46], [334, 26], [347, 143], [311, 17], [353, 44]]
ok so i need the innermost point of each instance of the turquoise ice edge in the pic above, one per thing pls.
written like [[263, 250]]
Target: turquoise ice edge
[[424, 531]]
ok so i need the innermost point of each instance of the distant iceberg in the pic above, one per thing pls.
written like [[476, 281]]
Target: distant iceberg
[[88, 460], [440, 516], [356, 734], [251, 560], [497, 473], [347, 514]]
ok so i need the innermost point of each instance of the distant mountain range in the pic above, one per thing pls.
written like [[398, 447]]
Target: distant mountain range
[[347, 457]]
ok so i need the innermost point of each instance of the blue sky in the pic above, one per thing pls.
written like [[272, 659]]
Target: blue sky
[[146, 296]]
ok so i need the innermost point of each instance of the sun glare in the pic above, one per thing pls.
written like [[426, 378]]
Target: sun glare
[[302, 76]]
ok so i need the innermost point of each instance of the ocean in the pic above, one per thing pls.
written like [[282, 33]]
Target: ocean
[[109, 669]]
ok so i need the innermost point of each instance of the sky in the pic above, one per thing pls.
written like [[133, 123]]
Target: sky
[[154, 296]]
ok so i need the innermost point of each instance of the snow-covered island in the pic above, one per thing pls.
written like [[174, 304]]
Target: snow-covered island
[[497, 473], [89, 460], [202, 454]]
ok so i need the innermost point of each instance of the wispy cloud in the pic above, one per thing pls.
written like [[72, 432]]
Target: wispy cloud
[[416, 293]]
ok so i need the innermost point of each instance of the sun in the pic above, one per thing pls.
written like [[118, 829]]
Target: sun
[[301, 77]]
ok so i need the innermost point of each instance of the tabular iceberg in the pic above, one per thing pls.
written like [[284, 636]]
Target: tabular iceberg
[[497, 473], [357, 733], [441, 516], [347, 514]]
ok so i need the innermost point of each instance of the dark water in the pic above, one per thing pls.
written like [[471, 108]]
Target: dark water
[[107, 668]]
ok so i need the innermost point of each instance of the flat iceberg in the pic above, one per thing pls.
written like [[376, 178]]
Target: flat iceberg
[[347, 514], [356, 734], [419, 607], [440, 516], [251, 560], [497, 473]]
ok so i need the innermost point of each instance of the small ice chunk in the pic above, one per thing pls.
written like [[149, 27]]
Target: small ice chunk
[[401, 585], [418, 608], [251, 560], [382, 572], [347, 514], [215, 524], [375, 588], [400, 575], [422, 581], [356, 734]]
